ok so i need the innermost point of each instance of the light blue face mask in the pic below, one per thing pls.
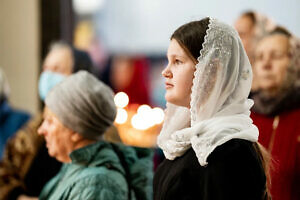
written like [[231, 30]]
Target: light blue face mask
[[47, 81]]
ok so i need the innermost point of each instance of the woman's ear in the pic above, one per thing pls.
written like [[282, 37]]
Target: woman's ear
[[76, 137]]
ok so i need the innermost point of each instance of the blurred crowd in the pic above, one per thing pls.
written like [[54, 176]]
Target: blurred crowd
[[274, 54], [28, 170]]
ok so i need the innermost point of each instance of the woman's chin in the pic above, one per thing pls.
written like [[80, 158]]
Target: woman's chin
[[178, 102]]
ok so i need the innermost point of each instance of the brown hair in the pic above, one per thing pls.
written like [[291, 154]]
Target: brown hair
[[190, 37], [265, 159], [250, 15], [280, 30]]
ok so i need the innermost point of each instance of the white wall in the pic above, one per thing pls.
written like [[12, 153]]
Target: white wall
[[146, 25], [19, 51]]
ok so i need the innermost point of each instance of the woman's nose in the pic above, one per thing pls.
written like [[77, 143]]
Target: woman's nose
[[267, 64], [166, 72], [41, 129]]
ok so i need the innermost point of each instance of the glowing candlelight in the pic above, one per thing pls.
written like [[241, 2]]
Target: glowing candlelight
[[157, 115], [122, 116], [121, 99], [138, 123], [144, 110]]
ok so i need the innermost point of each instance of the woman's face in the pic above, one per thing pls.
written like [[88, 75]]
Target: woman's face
[[122, 72], [179, 75], [245, 27], [59, 61], [58, 137], [271, 62]]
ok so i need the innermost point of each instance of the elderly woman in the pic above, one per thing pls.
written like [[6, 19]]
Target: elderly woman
[[276, 111], [26, 165], [77, 113]]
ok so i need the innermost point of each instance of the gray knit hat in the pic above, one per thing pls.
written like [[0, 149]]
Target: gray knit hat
[[83, 104]]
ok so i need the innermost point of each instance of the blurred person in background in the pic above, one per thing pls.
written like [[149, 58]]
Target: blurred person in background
[[10, 119], [130, 75], [78, 111], [252, 26], [26, 165], [276, 111]]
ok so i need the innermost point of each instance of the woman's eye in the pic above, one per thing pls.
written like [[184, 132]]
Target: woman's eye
[[258, 57], [177, 62], [48, 120], [278, 55]]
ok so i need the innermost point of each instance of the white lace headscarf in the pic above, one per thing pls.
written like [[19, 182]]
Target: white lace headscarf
[[219, 108]]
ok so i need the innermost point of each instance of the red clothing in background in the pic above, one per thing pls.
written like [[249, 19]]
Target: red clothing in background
[[138, 88], [281, 136]]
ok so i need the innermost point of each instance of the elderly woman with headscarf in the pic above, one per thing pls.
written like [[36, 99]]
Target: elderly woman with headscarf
[[10, 119], [26, 165], [208, 137], [78, 111], [276, 111]]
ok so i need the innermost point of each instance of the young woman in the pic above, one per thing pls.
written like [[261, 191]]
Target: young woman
[[208, 138]]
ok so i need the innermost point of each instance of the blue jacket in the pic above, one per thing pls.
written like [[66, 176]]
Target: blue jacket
[[10, 121], [97, 172]]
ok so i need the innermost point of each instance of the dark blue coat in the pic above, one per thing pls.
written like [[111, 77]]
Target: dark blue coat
[[10, 121]]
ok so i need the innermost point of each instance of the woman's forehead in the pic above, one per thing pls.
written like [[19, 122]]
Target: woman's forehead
[[274, 42], [175, 49], [47, 112]]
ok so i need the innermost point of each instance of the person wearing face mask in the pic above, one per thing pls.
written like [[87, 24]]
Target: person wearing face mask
[[26, 166], [276, 110], [10, 119]]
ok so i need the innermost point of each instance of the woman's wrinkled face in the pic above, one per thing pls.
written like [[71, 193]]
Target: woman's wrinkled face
[[179, 75], [58, 137], [271, 62]]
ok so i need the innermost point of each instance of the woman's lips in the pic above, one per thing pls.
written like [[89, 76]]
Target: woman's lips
[[47, 143], [168, 85]]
